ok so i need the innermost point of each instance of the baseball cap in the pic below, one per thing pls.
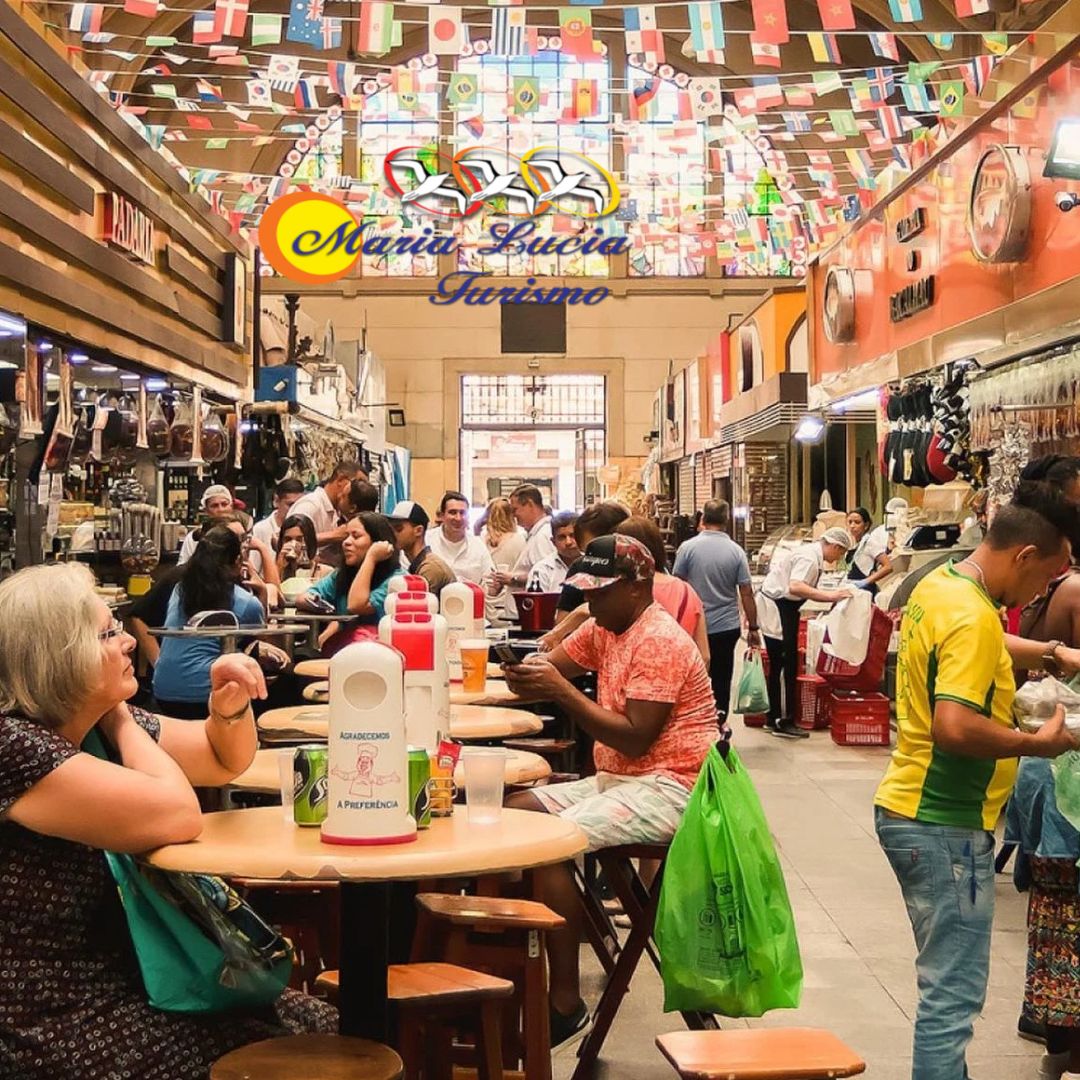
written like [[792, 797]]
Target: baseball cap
[[838, 536], [611, 558], [412, 512], [213, 492]]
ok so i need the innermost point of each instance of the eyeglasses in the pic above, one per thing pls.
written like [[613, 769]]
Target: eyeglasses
[[116, 627]]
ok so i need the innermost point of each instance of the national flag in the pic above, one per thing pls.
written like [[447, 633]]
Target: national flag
[[976, 72], [885, 45], [642, 35], [919, 73], [405, 89], [944, 42], [859, 95], [770, 21], [165, 90], [85, 18], [266, 29], [446, 32], [707, 30], [305, 22], [706, 97], [199, 123], [798, 123], [331, 32], [258, 92], [575, 32], [836, 15], [208, 91], [342, 77], [746, 101], [305, 96], [508, 31], [905, 11], [826, 82], [231, 17], [204, 28], [916, 98], [823, 47], [889, 122], [375, 30], [99, 39], [474, 125], [881, 83], [768, 91], [641, 94], [462, 89], [147, 9], [584, 98], [525, 94], [283, 72], [843, 122], [764, 53], [799, 95], [965, 9], [157, 69], [951, 97], [996, 42]]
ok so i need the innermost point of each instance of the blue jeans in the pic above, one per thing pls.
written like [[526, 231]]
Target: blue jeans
[[947, 877]]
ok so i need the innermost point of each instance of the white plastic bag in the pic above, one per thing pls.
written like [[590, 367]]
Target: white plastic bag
[[848, 626], [815, 638]]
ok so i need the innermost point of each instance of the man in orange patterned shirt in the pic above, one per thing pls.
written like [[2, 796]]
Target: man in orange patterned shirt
[[653, 721]]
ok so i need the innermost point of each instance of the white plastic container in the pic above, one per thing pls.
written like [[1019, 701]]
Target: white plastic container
[[461, 604], [411, 601], [368, 748], [421, 639], [407, 583]]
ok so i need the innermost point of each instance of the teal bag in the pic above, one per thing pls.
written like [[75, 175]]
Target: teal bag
[[724, 926], [199, 946], [753, 695]]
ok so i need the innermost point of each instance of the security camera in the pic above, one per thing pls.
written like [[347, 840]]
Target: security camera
[[1066, 201]]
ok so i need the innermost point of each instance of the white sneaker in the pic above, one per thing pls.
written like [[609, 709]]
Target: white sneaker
[[1052, 1066], [1070, 1076]]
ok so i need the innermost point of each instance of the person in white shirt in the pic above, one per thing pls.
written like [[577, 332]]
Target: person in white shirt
[[216, 503], [465, 553], [527, 505], [791, 581], [329, 506], [268, 529], [549, 574], [869, 561]]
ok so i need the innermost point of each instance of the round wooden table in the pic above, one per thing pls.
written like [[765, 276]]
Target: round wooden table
[[258, 843], [320, 669], [466, 722], [315, 623], [522, 767]]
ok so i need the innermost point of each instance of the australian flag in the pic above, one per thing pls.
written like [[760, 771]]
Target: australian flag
[[305, 22]]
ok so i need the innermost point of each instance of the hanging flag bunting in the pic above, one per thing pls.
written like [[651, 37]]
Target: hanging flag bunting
[[770, 21], [258, 92], [305, 96], [305, 22], [836, 15], [165, 90], [207, 91], [764, 53], [342, 77], [768, 91], [266, 29], [508, 31], [707, 31], [951, 97], [885, 45], [965, 9], [446, 32], [916, 98], [462, 90], [85, 18], [331, 33], [283, 72], [474, 125], [405, 90], [641, 32], [843, 122], [375, 30], [231, 17], [205, 28], [799, 95], [881, 84], [575, 32], [584, 98], [941, 41], [919, 73], [525, 94], [706, 97], [146, 9], [641, 94], [823, 47], [976, 72], [997, 43], [906, 11], [826, 82], [798, 123], [859, 93], [889, 122]]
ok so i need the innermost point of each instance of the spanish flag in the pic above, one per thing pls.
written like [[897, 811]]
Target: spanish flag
[[584, 101]]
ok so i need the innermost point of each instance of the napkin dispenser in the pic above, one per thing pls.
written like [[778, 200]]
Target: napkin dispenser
[[400, 602], [461, 604], [420, 637], [367, 749], [407, 583]]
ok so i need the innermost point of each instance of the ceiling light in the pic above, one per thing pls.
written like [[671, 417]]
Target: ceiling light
[[11, 324], [810, 429], [102, 369], [77, 358], [157, 384], [868, 399]]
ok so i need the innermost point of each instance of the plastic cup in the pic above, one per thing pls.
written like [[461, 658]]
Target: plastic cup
[[285, 779], [474, 661], [485, 774]]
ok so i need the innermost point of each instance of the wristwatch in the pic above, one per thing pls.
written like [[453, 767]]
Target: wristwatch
[[1050, 661]]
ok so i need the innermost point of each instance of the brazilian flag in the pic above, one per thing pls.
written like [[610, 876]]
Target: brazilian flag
[[461, 91], [951, 97], [525, 94]]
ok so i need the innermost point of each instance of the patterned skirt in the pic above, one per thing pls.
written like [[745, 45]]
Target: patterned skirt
[[1052, 986]]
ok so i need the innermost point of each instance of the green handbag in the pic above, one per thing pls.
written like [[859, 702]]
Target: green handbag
[[199, 946]]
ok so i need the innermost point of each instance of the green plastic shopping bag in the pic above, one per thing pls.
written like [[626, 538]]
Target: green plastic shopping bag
[[753, 695], [724, 925]]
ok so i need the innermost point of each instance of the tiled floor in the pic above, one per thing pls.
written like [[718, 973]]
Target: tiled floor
[[853, 930]]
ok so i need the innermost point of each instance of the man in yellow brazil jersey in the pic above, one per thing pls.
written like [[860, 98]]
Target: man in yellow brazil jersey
[[955, 762]]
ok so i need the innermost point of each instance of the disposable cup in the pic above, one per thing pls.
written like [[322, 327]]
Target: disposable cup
[[474, 661], [485, 774], [286, 780]]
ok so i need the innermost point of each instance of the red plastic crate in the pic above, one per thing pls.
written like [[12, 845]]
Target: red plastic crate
[[812, 714], [859, 719], [802, 634], [868, 675]]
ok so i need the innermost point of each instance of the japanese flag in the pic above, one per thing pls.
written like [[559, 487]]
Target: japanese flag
[[446, 34]]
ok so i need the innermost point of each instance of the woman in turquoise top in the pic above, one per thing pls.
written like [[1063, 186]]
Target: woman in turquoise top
[[359, 587]]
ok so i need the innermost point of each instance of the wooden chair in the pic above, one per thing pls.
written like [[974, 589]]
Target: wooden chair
[[329, 1057], [504, 937], [433, 1000], [759, 1054]]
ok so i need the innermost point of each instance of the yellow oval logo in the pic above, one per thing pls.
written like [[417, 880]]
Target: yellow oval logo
[[309, 237]]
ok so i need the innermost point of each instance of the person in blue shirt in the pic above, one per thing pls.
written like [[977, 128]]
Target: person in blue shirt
[[209, 581], [358, 587]]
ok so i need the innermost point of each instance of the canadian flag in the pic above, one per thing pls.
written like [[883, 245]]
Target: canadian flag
[[446, 34]]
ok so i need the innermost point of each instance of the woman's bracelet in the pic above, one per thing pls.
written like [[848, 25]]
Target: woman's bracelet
[[234, 717]]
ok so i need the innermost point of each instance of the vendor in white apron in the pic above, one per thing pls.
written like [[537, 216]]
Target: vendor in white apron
[[869, 559]]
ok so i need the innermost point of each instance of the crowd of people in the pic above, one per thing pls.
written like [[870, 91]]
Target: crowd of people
[[662, 638]]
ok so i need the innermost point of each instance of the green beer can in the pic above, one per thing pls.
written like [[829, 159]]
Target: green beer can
[[419, 795], [311, 784]]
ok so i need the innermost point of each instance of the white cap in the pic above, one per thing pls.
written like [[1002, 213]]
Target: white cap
[[212, 492]]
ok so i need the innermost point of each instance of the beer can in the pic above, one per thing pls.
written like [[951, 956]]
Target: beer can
[[419, 795], [311, 784]]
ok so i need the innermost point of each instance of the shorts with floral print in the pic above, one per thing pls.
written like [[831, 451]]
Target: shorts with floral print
[[613, 810]]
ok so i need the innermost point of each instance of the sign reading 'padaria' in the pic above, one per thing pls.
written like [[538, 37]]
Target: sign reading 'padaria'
[[129, 228]]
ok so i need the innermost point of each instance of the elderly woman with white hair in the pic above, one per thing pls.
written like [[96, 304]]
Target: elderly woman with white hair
[[72, 1001]]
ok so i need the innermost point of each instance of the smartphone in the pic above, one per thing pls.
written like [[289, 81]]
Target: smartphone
[[505, 653], [318, 605]]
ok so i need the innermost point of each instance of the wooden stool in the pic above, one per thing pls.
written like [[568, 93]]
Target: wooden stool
[[329, 1057], [759, 1054], [319, 692], [505, 937], [430, 998]]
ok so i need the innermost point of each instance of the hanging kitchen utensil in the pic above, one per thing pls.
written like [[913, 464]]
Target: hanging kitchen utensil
[[58, 447], [158, 438], [214, 439], [182, 431]]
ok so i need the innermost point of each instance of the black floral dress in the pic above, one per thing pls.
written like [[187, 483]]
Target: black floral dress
[[72, 1002]]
